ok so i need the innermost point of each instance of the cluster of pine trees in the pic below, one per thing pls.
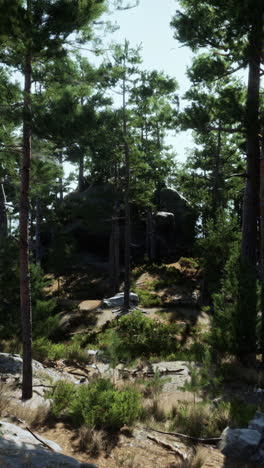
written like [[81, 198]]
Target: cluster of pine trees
[[65, 112]]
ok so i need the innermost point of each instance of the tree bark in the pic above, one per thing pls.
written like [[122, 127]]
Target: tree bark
[[127, 206], [216, 184], [246, 320], [114, 256], [37, 232], [60, 179], [261, 226], [81, 172], [3, 213], [150, 237], [25, 292]]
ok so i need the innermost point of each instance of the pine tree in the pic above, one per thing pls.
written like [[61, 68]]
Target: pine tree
[[233, 33], [34, 30]]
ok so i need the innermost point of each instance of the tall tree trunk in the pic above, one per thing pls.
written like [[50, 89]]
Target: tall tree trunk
[[216, 183], [60, 178], [25, 293], [114, 249], [37, 232], [261, 224], [81, 172], [150, 237], [246, 320], [127, 205], [3, 213]]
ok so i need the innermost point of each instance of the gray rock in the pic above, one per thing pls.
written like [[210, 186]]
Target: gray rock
[[239, 443], [20, 449], [118, 300], [11, 365], [257, 423]]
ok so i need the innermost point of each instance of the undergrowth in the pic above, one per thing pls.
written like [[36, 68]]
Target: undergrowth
[[99, 404]]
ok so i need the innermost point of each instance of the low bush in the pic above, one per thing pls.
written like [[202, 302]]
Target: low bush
[[137, 335], [148, 298], [44, 350], [99, 404]]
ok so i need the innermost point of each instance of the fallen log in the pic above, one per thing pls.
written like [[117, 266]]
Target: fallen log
[[40, 440], [211, 441], [168, 447]]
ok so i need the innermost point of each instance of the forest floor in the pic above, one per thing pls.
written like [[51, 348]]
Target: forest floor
[[140, 447]]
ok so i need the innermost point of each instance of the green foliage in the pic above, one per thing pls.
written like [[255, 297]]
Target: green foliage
[[45, 350], [153, 386], [147, 298], [215, 248], [204, 378], [42, 309], [241, 413], [98, 404], [222, 333], [137, 335]]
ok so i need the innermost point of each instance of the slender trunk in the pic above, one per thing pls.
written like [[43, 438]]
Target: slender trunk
[[246, 320], [25, 293], [127, 205], [261, 260], [150, 237], [37, 232], [3, 213], [81, 172], [216, 183], [114, 249], [60, 179]]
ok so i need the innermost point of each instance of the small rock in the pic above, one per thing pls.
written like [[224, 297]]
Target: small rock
[[118, 300]]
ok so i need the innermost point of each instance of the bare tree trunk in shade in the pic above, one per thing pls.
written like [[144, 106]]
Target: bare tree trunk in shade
[[261, 228], [217, 174], [3, 213], [114, 252], [127, 205], [37, 232], [81, 172], [246, 319], [60, 179], [25, 291], [150, 237]]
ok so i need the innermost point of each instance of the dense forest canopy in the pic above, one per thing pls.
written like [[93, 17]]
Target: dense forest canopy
[[132, 203]]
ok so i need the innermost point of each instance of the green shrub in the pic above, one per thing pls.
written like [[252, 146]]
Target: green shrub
[[137, 335], [99, 404], [62, 395], [44, 350], [147, 298]]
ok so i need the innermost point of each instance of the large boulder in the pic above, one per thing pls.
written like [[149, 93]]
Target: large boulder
[[239, 443], [20, 449], [87, 220], [171, 201]]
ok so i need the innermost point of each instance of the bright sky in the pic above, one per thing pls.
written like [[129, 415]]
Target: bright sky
[[149, 25]]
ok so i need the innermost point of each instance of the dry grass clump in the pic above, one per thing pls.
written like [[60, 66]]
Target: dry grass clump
[[11, 405], [197, 460], [5, 397], [31, 416], [91, 440]]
